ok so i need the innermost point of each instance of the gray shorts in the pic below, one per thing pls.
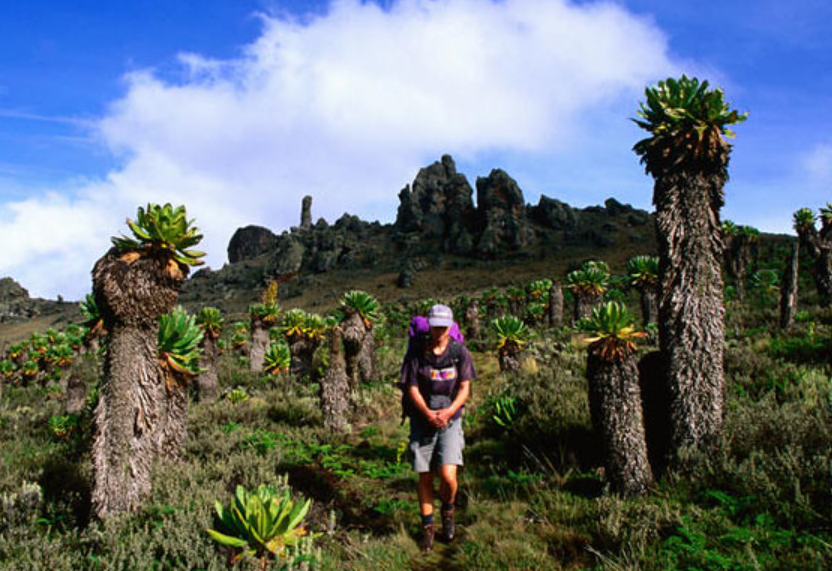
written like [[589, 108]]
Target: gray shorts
[[431, 447]]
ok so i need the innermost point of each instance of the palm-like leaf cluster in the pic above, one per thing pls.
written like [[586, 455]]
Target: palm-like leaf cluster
[[826, 214], [178, 343], [91, 314], [687, 122], [163, 230], [511, 333], [591, 279], [729, 228], [277, 358], [363, 304], [643, 271], [267, 312], [211, 321], [610, 331], [260, 522], [538, 290], [766, 281], [804, 219]]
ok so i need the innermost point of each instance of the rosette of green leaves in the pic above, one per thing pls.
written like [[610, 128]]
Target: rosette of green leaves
[[7, 369], [538, 290], [687, 122], [643, 271], [210, 321], [729, 228], [267, 312], [277, 358], [261, 523], [803, 219], [30, 369], [178, 342], [92, 315], [766, 283], [363, 304], [588, 280], [826, 214], [315, 326], [163, 230], [16, 350], [293, 324], [511, 333], [60, 354], [38, 343], [610, 331]]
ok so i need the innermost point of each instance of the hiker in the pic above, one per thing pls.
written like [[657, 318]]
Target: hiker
[[436, 376]]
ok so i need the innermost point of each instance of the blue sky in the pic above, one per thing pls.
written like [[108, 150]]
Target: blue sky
[[237, 108]]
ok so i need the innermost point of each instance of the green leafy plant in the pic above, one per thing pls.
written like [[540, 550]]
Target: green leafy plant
[[7, 369], [643, 271], [262, 524], [589, 280], [237, 395], [178, 343], [293, 324], [63, 426], [267, 312], [210, 321], [687, 122], [506, 411], [363, 304], [610, 331], [803, 219], [165, 232], [512, 334], [277, 359]]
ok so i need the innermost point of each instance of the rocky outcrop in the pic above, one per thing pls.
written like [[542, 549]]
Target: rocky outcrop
[[439, 205], [554, 214], [250, 242], [306, 213], [501, 211], [16, 305]]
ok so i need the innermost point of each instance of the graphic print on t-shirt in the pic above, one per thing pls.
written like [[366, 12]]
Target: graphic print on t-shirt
[[448, 374]]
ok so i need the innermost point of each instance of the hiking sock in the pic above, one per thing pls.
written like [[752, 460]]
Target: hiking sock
[[427, 519], [447, 507]]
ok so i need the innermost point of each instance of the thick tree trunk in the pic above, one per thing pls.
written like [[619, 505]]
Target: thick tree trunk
[[359, 350], [509, 361], [584, 305], [738, 252], [131, 293], [126, 421], [207, 382], [823, 270], [335, 386], [302, 351], [788, 293], [691, 312], [472, 317], [649, 305], [259, 345], [173, 429], [555, 308], [615, 400]]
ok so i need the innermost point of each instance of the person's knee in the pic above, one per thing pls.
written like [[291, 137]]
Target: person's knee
[[448, 473]]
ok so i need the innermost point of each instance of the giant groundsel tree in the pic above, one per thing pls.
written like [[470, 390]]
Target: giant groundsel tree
[[134, 283], [687, 154]]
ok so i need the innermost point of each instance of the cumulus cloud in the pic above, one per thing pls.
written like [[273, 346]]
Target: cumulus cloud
[[346, 106]]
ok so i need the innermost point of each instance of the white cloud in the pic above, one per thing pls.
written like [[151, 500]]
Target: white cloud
[[345, 106]]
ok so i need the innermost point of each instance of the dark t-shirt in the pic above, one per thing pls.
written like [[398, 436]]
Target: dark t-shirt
[[438, 376]]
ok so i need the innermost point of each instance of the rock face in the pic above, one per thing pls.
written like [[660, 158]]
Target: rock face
[[554, 214], [250, 242], [439, 205], [501, 212], [15, 302], [306, 213]]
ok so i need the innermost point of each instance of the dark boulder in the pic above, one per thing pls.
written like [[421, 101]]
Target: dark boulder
[[554, 214], [250, 242], [502, 214]]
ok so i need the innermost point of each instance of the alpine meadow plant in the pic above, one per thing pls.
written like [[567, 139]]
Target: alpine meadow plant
[[643, 275], [277, 359], [615, 397], [264, 524], [361, 313], [687, 154], [512, 335], [588, 285]]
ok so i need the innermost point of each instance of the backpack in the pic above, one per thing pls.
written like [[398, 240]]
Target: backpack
[[419, 333]]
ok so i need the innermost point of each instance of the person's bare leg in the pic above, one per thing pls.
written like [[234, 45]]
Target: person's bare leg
[[425, 493], [448, 483]]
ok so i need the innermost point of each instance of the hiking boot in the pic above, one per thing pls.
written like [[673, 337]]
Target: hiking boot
[[448, 531], [426, 544]]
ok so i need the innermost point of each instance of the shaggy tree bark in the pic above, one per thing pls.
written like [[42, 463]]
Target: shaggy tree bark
[[472, 317], [259, 345], [555, 308], [737, 260], [584, 303], [788, 293], [615, 401], [359, 350], [335, 386], [131, 294], [173, 428], [302, 350], [509, 360], [819, 248], [691, 312], [649, 305], [207, 382]]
